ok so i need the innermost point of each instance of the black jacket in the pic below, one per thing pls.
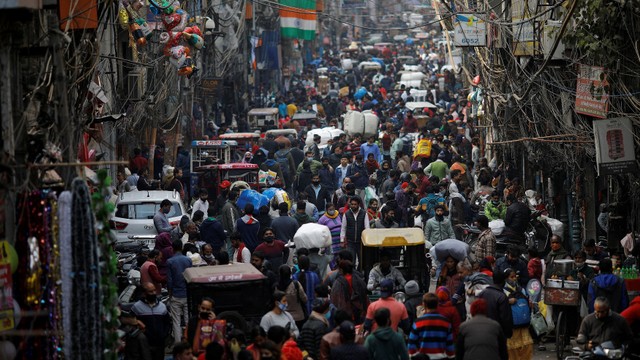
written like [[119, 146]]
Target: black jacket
[[349, 351], [311, 335], [517, 217], [498, 308], [321, 200]]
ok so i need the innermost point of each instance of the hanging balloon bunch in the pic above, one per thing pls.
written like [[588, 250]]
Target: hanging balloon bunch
[[178, 39]]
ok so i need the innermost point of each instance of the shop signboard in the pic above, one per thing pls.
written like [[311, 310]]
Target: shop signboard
[[523, 13], [210, 87], [615, 152], [592, 92], [469, 30]]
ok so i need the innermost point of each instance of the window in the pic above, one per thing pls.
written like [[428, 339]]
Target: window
[[145, 210]]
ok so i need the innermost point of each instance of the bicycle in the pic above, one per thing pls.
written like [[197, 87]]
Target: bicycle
[[561, 298]]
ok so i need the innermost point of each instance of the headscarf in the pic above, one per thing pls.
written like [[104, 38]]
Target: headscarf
[[248, 156], [443, 294]]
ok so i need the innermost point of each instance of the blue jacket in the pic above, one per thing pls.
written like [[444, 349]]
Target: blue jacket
[[366, 149], [608, 283], [362, 180], [175, 280], [212, 232]]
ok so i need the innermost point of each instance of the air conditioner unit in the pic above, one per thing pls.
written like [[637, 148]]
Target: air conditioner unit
[[550, 31], [135, 85]]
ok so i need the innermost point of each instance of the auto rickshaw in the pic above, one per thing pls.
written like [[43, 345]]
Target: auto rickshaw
[[406, 246], [228, 286], [244, 140]]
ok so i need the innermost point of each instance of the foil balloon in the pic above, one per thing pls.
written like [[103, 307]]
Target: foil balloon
[[194, 40], [187, 67], [171, 21], [193, 30], [123, 17], [8, 255]]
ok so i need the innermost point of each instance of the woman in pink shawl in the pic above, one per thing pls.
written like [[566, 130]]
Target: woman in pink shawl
[[164, 245]]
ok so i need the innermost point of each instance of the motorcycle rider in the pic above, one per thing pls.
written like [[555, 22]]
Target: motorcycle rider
[[603, 325]]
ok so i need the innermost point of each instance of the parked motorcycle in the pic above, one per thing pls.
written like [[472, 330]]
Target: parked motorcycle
[[604, 351]]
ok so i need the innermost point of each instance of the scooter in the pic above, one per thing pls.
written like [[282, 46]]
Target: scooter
[[606, 350]]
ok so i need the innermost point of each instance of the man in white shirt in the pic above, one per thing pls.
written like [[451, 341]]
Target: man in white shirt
[[354, 221], [202, 203]]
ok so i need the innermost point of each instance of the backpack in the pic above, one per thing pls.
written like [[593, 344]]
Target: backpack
[[521, 313], [283, 160], [613, 293], [407, 145], [431, 208]]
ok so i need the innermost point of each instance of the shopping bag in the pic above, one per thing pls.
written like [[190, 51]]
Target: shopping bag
[[539, 324]]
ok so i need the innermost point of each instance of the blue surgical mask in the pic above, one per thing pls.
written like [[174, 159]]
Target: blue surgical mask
[[283, 307], [328, 315]]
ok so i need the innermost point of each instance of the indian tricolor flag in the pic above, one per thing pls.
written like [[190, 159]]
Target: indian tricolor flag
[[298, 19]]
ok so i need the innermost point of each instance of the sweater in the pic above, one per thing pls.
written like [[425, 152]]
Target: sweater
[[248, 228], [283, 319], [432, 335], [386, 344], [284, 227]]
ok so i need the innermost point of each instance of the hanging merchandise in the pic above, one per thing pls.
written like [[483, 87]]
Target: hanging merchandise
[[86, 278], [177, 40], [109, 311], [36, 281]]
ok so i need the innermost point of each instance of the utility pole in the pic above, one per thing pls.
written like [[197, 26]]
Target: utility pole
[[8, 135]]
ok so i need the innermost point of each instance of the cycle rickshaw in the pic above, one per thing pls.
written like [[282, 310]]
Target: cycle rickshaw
[[564, 296]]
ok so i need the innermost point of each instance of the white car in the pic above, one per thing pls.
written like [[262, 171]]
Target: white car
[[133, 216]]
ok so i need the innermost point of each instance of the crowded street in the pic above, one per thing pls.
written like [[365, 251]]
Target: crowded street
[[319, 180]]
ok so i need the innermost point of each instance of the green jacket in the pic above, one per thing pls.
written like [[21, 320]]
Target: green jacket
[[493, 212], [436, 231], [384, 343], [437, 168]]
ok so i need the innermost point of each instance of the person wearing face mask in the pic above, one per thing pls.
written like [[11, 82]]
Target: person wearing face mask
[[154, 316], [207, 254], [438, 228], [520, 344], [317, 194], [581, 272], [486, 244], [313, 164], [557, 253], [274, 250], [333, 221], [160, 219], [354, 221], [495, 209], [136, 343], [278, 316], [358, 174], [205, 313], [327, 176]]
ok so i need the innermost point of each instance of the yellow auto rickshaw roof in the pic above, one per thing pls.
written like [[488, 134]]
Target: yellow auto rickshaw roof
[[393, 237]]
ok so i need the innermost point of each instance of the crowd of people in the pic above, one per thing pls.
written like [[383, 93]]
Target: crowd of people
[[320, 305]]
